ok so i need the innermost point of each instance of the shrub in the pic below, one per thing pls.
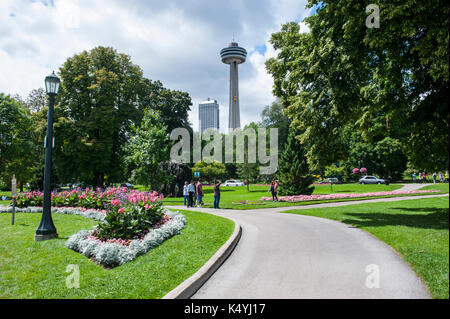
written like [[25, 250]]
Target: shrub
[[130, 221]]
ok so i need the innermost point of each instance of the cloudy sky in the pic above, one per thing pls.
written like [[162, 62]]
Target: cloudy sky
[[174, 41]]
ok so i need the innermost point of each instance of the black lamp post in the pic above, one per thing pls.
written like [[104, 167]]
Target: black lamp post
[[46, 229]]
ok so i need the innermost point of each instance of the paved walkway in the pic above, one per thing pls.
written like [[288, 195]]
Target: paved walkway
[[295, 256]]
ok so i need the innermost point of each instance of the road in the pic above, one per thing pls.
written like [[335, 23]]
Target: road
[[294, 257]]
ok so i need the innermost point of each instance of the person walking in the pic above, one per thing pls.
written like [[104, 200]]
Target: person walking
[[434, 177], [217, 194], [199, 190], [275, 187], [186, 193], [446, 176], [273, 191], [414, 177], [424, 177], [191, 193], [441, 177]]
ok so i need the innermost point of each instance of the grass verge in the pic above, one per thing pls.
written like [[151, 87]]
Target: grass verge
[[231, 197], [30, 269], [417, 229]]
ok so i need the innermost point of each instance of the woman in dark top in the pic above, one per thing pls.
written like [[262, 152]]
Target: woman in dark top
[[273, 189], [217, 194]]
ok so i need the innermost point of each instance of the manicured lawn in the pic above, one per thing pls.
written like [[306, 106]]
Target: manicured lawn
[[30, 269], [5, 193], [231, 197], [440, 187], [416, 229]]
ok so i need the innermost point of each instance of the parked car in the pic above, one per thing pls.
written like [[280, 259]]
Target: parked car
[[372, 180], [81, 185], [333, 180], [127, 185], [233, 183]]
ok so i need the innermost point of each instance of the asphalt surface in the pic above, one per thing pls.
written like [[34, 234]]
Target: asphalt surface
[[295, 257]]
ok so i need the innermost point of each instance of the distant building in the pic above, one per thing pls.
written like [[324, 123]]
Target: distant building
[[208, 115]]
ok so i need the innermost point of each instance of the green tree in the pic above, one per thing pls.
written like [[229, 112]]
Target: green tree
[[173, 105], [210, 170], [273, 116], [391, 158], [294, 175], [146, 150], [16, 144], [343, 72], [249, 169], [102, 96]]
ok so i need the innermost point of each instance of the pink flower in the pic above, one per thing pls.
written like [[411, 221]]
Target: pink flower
[[121, 210], [115, 202]]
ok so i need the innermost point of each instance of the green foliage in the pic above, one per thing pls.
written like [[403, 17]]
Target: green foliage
[[339, 172], [391, 158], [147, 149], [129, 222], [173, 105], [101, 97], [294, 176], [16, 143], [249, 170], [211, 170], [273, 117], [342, 73]]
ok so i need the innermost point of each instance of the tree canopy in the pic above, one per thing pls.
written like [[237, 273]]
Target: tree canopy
[[390, 81]]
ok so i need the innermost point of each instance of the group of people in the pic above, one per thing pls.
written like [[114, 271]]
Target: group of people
[[422, 177], [195, 190]]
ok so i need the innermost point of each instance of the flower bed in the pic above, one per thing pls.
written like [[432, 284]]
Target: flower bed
[[300, 198], [115, 252], [130, 222], [87, 198]]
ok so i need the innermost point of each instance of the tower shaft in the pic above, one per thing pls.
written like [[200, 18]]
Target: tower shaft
[[233, 55], [234, 120]]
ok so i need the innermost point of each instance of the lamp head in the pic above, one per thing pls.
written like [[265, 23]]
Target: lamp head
[[52, 84]]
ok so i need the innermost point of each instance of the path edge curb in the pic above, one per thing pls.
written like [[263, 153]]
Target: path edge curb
[[190, 286]]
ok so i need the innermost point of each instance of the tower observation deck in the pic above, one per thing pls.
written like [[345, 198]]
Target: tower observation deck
[[233, 55]]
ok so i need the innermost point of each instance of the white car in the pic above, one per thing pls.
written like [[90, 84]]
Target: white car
[[233, 183]]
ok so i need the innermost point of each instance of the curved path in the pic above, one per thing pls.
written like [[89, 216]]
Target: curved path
[[296, 256]]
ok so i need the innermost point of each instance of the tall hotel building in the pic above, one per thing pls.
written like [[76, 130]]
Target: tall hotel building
[[208, 115]]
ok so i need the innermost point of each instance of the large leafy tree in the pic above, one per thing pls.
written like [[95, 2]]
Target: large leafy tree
[[146, 150], [16, 143], [172, 105], [102, 96], [343, 72]]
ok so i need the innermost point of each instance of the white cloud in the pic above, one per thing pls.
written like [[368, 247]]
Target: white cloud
[[176, 42]]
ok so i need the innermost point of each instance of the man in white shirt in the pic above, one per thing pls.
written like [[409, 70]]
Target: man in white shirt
[[191, 193], [186, 193]]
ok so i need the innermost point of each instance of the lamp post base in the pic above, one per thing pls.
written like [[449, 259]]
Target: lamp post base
[[38, 237]]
